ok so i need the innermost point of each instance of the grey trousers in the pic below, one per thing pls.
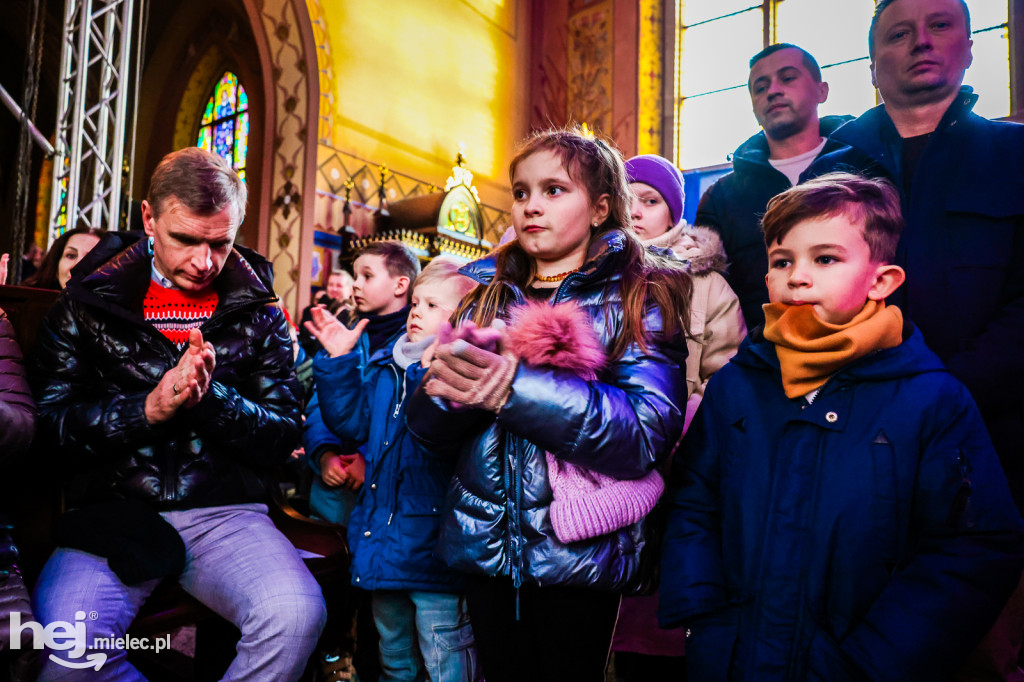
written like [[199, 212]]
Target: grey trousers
[[237, 563]]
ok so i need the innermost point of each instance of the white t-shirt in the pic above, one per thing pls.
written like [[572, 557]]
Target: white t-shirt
[[795, 165]]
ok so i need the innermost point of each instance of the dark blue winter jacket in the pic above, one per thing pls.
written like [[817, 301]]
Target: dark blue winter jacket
[[393, 528], [624, 424], [868, 535], [963, 250]]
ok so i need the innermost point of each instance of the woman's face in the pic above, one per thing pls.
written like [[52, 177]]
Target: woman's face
[[551, 213], [78, 245], [651, 217]]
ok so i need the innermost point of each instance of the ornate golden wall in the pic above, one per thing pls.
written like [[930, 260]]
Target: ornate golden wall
[[408, 84], [584, 67]]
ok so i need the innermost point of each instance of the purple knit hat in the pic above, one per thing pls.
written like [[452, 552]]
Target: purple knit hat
[[659, 173]]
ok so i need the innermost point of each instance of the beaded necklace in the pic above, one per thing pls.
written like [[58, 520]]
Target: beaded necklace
[[555, 278]]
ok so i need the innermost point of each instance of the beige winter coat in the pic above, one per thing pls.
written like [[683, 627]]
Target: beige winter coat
[[716, 321]]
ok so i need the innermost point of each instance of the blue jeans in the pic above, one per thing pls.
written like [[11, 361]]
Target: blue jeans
[[237, 563], [424, 633]]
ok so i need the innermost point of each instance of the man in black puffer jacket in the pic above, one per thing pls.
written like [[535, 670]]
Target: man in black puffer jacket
[[164, 375]]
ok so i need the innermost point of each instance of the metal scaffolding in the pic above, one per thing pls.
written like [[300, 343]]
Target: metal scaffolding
[[91, 123]]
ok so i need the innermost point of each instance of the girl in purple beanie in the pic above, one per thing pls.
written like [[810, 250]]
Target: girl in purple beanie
[[643, 651], [544, 603]]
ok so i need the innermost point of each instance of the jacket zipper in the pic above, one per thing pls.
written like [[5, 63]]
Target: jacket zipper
[[400, 398], [798, 644]]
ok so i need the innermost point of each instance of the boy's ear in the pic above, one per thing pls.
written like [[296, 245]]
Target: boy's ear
[[888, 279], [600, 209], [401, 286]]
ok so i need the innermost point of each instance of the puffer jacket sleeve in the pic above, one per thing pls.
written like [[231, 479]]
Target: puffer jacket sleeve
[[344, 394], [260, 423], [82, 421], [622, 425], [17, 410], [723, 330], [439, 428], [966, 563], [692, 572]]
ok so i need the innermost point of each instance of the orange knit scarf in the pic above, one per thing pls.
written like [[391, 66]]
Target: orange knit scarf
[[811, 350]]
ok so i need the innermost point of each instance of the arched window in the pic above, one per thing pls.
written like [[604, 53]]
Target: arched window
[[225, 124]]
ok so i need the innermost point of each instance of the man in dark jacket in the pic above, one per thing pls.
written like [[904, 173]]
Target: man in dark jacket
[[785, 90], [961, 179], [962, 184], [164, 375]]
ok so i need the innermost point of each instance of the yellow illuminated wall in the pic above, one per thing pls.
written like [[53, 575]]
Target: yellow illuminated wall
[[412, 79]]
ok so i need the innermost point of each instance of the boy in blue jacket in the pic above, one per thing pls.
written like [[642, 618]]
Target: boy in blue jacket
[[424, 628], [838, 512]]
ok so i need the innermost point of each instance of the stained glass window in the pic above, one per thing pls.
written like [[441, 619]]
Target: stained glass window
[[225, 123]]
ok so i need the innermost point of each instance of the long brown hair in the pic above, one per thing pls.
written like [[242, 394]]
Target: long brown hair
[[598, 167], [46, 276]]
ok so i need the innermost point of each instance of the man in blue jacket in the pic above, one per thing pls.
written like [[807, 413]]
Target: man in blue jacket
[[961, 181], [838, 512]]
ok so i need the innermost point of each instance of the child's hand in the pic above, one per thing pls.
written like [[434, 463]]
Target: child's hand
[[428, 353], [332, 469], [356, 471], [336, 338], [3, 268]]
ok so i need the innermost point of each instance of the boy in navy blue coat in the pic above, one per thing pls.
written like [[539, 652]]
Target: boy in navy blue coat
[[392, 531], [837, 512]]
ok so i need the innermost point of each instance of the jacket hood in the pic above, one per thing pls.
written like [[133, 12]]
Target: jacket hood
[[600, 256], [700, 247], [910, 358], [116, 273], [755, 149]]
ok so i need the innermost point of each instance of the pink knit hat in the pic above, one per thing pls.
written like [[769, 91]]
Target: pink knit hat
[[587, 504]]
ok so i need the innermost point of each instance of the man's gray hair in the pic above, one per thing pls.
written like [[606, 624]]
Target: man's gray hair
[[202, 181]]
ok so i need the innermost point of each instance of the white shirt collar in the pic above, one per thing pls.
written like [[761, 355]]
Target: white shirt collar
[[155, 274], [160, 279]]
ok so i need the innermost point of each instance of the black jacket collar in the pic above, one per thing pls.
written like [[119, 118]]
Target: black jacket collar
[[875, 135], [755, 150], [115, 275]]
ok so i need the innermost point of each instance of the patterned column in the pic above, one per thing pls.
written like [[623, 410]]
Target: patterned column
[[292, 119]]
